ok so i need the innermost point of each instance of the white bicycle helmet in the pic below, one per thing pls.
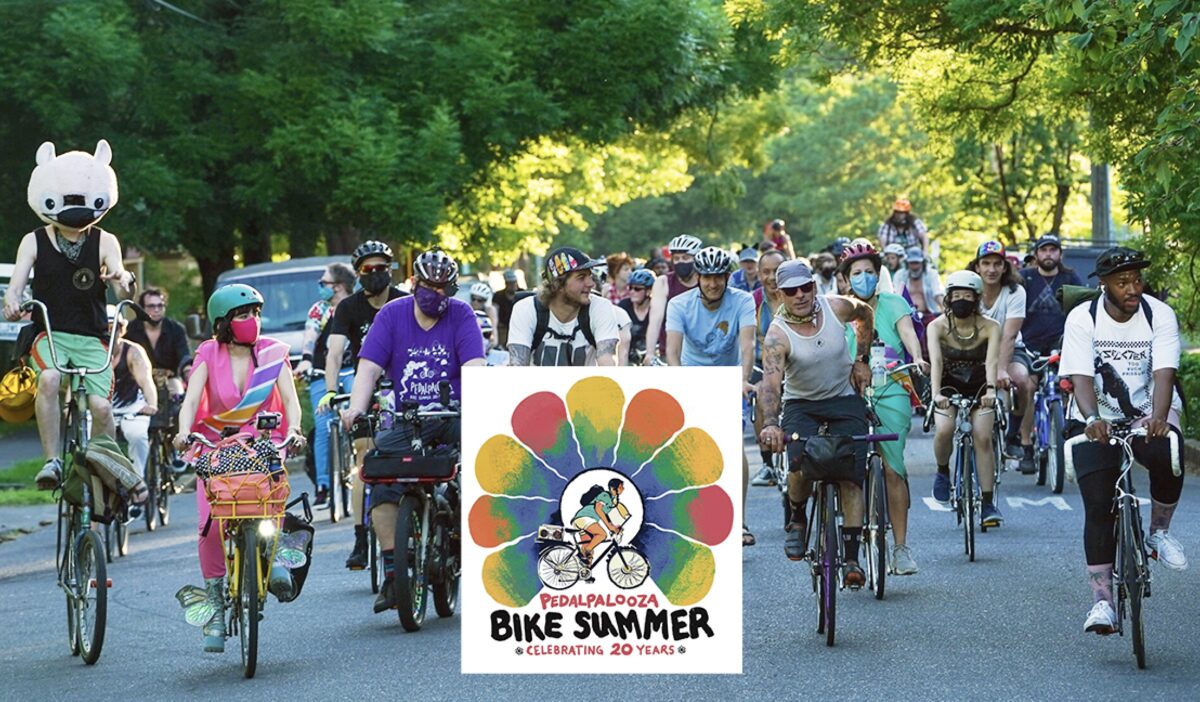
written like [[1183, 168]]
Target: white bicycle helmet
[[685, 243], [897, 249], [964, 280], [481, 291], [713, 260]]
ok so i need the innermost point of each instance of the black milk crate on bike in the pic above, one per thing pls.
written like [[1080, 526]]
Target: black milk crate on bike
[[828, 458], [387, 468]]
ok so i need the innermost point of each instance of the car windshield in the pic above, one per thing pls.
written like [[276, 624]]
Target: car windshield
[[288, 298]]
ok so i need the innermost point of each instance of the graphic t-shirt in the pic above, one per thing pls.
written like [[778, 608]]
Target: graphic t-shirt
[[416, 359], [1010, 304], [1122, 357], [710, 337], [564, 343], [1044, 318], [354, 316]]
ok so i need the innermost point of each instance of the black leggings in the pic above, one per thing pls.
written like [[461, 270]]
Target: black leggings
[[1098, 489]]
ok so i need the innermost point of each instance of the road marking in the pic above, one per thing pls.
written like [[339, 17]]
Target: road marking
[[935, 506], [1057, 502]]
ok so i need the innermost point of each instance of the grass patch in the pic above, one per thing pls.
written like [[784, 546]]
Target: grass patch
[[22, 473], [7, 429]]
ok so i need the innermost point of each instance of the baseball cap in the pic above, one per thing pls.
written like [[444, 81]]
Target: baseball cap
[[748, 254], [510, 276], [793, 274], [914, 254], [1117, 259], [566, 259], [990, 248], [1046, 240]]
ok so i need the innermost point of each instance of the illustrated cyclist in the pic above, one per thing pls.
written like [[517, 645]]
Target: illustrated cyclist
[[593, 519], [806, 357], [681, 279], [1123, 358], [236, 375], [418, 341], [964, 355]]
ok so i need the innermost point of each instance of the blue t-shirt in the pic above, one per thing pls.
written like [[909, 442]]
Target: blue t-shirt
[[417, 359], [710, 338], [1044, 318], [738, 280]]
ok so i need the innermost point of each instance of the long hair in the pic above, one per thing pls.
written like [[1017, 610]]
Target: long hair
[[550, 289], [1011, 278], [616, 262]]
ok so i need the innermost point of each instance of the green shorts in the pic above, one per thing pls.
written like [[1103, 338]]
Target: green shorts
[[76, 351]]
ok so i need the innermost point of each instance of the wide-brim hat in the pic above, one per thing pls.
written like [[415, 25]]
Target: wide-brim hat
[[1118, 259]]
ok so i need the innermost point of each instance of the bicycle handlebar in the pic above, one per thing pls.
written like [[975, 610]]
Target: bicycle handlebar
[[1122, 437], [1042, 361], [112, 336], [203, 441], [857, 437]]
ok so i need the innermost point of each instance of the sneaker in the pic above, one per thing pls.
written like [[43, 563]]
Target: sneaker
[[764, 478], [50, 475], [1167, 550], [1101, 620], [322, 500], [990, 516], [358, 556], [902, 560], [793, 543], [941, 487], [1012, 447], [855, 578], [387, 596], [1026, 465]]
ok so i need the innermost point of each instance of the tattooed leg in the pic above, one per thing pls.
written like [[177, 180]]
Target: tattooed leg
[[1100, 579], [1160, 515]]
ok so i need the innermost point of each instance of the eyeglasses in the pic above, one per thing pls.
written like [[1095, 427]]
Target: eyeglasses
[[375, 268], [157, 306], [327, 283], [478, 299], [637, 288], [806, 288]]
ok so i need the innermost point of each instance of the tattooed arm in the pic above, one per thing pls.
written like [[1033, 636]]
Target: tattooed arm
[[606, 350], [774, 358], [860, 314], [519, 355]]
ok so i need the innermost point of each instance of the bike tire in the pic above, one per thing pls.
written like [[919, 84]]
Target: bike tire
[[67, 574], [628, 568], [445, 589], [411, 564], [91, 597], [1056, 459], [1134, 578], [969, 511], [877, 527], [830, 564], [121, 530], [335, 472], [553, 567], [818, 561], [152, 484], [375, 559], [249, 600]]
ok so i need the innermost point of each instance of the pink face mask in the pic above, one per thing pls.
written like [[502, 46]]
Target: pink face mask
[[245, 331]]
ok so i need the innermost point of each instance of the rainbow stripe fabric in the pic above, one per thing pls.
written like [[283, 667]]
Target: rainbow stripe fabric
[[258, 389]]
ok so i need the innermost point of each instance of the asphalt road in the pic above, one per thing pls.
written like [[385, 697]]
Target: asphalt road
[[1007, 627]]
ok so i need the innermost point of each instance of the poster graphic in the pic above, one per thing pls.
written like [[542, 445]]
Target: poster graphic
[[600, 508]]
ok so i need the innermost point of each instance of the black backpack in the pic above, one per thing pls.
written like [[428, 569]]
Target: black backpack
[[589, 497], [583, 323]]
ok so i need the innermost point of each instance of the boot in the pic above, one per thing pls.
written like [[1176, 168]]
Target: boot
[[214, 630], [358, 557]]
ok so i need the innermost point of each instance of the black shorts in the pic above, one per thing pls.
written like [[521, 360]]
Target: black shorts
[[442, 435], [1091, 457], [1021, 356], [846, 415]]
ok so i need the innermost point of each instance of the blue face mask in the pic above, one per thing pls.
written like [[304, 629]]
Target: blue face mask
[[325, 292], [863, 284]]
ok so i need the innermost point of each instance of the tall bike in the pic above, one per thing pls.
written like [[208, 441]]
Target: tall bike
[[966, 499], [1049, 420], [1131, 568], [80, 550]]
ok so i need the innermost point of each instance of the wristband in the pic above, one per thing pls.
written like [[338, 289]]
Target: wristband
[[1093, 419], [306, 357]]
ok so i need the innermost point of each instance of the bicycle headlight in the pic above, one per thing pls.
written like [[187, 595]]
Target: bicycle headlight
[[266, 528]]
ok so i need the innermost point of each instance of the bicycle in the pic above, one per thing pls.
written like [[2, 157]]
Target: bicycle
[[428, 548], [80, 555], [163, 466], [248, 509], [1131, 567], [824, 555], [966, 499], [1049, 420], [561, 562]]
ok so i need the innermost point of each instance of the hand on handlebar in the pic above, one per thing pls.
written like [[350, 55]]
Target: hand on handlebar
[[771, 438], [302, 368], [922, 366], [12, 310], [180, 442], [323, 403], [943, 403], [296, 440], [988, 399], [349, 415], [1003, 380], [1156, 429], [1098, 431], [125, 279]]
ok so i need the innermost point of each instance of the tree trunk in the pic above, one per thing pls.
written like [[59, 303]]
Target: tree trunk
[[212, 264], [256, 243]]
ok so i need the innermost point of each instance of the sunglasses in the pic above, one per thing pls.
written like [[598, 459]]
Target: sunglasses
[[806, 288], [637, 288], [159, 306], [375, 268], [327, 283]]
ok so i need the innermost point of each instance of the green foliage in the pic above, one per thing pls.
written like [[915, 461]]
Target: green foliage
[[23, 473], [1189, 376]]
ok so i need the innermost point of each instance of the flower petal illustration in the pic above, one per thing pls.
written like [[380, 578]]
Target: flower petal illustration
[[683, 570], [540, 422], [691, 459], [509, 575], [504, 467], [651, 419], [497, 520], [595, 406], [705, 515]]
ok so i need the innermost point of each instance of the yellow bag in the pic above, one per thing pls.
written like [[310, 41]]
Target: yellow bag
[[17, 390]]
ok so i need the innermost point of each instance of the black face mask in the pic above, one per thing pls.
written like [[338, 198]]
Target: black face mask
[[962, 308], [827, 272], [375, 283], [684, 270]]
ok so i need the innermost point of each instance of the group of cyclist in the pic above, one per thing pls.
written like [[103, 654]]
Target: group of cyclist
[[809, 323]]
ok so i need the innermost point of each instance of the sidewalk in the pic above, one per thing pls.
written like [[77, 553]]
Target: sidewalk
[[18, 521]]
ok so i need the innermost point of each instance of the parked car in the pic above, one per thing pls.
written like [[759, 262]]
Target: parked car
[[9, 330]]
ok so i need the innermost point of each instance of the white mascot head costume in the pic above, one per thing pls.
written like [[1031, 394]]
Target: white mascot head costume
[[72, 191]]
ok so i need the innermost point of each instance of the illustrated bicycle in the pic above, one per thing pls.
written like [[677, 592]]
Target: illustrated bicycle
[[1131, 568], [1048, 423], [561, 562]]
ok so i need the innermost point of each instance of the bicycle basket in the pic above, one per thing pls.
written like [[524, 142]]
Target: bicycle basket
[[238, 454], [828, 458], [246, 495], [380, 467]]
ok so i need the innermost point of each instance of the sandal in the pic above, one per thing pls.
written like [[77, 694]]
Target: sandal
[[747, 538], [139, 494]]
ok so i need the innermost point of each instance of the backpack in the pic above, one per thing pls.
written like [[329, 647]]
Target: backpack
[[589, 497], [582, 323]]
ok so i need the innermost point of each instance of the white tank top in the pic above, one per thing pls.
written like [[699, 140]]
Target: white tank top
[[818, 366]]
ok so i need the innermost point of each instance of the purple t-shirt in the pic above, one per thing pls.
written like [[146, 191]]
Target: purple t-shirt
[[417, 360]]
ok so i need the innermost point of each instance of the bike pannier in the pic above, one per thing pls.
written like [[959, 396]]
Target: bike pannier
[[389, 467], [828, 458]]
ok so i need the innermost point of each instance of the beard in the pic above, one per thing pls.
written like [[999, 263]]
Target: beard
[[1047, 265]]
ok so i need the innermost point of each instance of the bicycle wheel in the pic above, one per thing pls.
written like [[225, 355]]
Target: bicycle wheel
[[445, 588], [558, 568], [1056, 460], [335, 472], [149, 507], [409, 554], [91, 596], [248, 599], [66, 574], [375, 558], [628, 568], [830, 564], [876, 531], [1135, 576], [969, 505], [819, 559]]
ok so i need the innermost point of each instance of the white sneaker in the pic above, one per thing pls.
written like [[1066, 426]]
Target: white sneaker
[[1102, 619], [902, 561], [1167, 550]]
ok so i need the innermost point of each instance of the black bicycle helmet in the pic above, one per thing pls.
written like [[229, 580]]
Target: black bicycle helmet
[[371, 248], [435, 267]]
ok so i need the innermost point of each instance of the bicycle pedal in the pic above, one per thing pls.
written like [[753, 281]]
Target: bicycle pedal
[[356, 568]]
